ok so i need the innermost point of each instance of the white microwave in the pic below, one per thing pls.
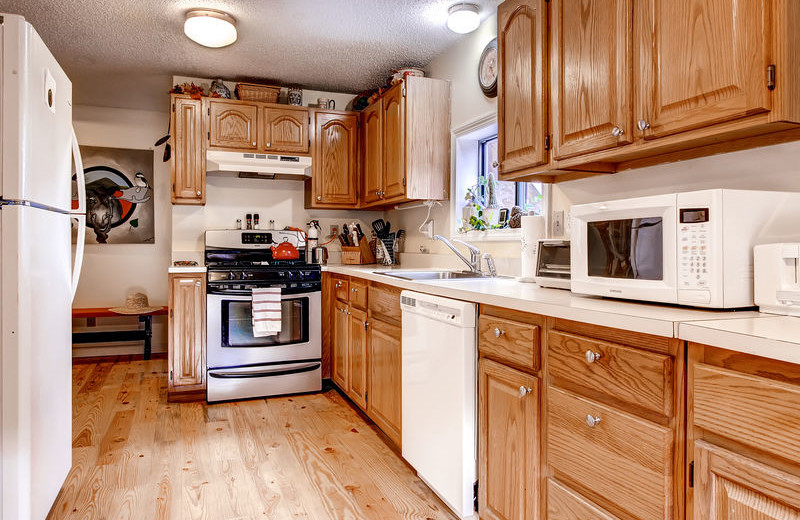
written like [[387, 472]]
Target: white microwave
[[693, 248]]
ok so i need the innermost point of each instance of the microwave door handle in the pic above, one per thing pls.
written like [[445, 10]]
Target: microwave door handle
[[276, 371]]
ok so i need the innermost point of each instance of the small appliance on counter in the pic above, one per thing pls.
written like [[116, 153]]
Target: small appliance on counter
[[777, 278], [690, 248], [553, 263]]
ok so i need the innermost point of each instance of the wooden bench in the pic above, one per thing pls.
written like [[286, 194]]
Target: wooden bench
[[91, 315]]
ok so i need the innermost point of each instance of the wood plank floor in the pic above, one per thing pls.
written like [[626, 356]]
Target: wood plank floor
[[135, 456]]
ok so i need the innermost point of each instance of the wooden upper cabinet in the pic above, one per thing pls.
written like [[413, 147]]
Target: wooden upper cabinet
[[522, 98], [285, 129], [232, 124], [335, 180], [188, 157], [372, 151], [590, 79], [702, 62], [394, 142], [187, 325]]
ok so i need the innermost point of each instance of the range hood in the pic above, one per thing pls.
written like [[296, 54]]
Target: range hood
[[260, 165]]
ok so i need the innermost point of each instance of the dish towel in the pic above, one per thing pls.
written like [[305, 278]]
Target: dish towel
[[266, 311]]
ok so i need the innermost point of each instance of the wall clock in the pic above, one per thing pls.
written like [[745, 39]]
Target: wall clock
[[487, 69]]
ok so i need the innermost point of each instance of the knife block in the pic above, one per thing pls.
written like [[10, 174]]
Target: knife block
[[358, 255]]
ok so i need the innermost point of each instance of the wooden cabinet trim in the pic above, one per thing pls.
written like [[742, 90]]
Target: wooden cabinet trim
[[187, 326]]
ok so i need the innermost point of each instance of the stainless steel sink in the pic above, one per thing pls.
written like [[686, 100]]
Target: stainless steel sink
[[432, 275]]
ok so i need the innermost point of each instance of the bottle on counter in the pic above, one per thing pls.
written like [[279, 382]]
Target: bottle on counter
[[238, 223], [255, 221], [249, 220]]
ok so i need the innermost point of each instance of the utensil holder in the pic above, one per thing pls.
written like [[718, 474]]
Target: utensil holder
[[358, 255]]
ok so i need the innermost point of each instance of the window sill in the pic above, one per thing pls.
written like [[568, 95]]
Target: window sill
[[492, 235]]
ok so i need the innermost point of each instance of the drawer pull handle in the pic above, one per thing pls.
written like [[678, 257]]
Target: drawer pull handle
[[524, 390], [338, 285], [354, 290], [592, 356], [592, 420], [498, 332]]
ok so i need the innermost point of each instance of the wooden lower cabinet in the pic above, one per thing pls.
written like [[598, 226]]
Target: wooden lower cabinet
[[340, 340], [357, 357], [187, 333], [743, 436], [566, 504], [385, 368], [509, 456]]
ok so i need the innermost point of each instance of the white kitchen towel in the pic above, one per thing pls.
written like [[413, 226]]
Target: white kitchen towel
[[266, 311]]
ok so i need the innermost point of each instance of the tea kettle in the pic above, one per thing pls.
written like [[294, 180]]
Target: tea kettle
[[285, 251]]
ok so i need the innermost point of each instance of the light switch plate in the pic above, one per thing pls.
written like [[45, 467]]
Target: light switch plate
[[558, 223]]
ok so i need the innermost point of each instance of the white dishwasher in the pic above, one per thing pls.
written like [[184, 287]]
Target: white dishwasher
[[439, 384]]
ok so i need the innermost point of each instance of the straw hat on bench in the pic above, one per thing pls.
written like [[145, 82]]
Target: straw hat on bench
[[135, 303]]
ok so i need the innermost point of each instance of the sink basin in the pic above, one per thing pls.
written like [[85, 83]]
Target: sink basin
[[432, 275]]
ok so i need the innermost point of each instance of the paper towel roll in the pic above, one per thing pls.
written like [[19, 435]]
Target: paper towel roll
[[533, 228]]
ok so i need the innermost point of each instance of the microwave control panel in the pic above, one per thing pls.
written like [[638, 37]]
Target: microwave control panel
[[694, 248]]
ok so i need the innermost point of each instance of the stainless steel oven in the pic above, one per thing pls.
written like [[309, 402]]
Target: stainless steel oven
[[241, 365]]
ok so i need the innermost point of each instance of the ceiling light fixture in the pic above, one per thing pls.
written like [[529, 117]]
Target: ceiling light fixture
[[463, 18], [210, 28]]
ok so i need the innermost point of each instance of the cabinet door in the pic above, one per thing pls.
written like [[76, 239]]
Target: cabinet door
[[357, 357], [521, 99], [394, 142], [701, 62], [336, 162], [591, 75], [384, 405], [285, 129], [729, 486], [509, 443], [232, 124], [372, 147], [188, 158], [187, 325], [341, 333]]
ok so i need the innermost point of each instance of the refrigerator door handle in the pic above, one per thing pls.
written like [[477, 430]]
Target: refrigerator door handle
[[79, 214]]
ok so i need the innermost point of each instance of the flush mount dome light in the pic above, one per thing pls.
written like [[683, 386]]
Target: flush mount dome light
[[210, 28], [463, 18]]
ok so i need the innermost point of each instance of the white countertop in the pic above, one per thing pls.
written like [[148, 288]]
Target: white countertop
[[768, 335], [659, 320], [187, 269]]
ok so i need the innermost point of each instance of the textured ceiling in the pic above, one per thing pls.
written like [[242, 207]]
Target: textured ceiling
[[123, 53]]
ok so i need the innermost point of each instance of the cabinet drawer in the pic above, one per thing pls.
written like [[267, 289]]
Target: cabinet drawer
[[624, 459], [752, 410], [627, 374], [358, 294], [341, 287], [385, 301], [566, 504], [510, 341]]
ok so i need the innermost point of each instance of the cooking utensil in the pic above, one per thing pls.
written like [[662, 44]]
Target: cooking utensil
[[360, 233], [378, 226], [319, 255], [285, 251], [387, 229]]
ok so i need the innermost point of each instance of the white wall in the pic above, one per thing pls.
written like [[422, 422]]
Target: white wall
[[111, 272]]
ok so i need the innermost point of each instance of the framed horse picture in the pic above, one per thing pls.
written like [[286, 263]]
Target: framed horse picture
[[119, 196]]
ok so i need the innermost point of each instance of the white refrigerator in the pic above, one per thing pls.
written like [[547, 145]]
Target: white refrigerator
[[38, 276]]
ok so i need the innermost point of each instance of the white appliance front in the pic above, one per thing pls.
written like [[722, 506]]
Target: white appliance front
[[36, 119], [36, 364], [439, 388]]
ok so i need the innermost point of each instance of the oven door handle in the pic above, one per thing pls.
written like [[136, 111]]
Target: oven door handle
[[277, 371]]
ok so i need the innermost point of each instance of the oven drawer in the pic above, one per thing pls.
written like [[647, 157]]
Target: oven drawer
[[264, 380]]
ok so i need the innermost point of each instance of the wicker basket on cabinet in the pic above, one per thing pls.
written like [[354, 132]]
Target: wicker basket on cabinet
[[259, 93]]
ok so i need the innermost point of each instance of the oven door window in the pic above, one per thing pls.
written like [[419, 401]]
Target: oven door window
[[628, 248], [237, 324]]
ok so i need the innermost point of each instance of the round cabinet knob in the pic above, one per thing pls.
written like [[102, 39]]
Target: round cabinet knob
[[254, 143], [592, 356], [592, 420], [269, 144], [319, 197], [617, 131], [197, 284], [498, 332], [354, 290], [377, 193], [199, 193], [525, 390], [643, 125], [338, 285]]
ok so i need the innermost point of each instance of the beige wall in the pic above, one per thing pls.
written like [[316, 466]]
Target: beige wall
[[110, 272]]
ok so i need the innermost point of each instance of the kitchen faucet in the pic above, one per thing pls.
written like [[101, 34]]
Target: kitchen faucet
[[474, 261]]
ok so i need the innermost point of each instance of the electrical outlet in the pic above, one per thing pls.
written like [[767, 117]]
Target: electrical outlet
[[427, 229], [334, 231], [558, 223], [568, 223]]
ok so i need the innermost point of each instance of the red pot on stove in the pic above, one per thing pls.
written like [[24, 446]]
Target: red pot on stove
[[285, 251]]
